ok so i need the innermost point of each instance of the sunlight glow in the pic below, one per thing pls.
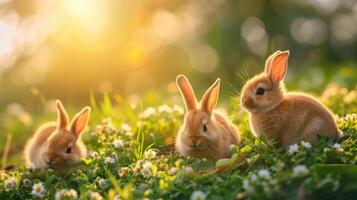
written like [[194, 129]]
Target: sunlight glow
[[87, 14]]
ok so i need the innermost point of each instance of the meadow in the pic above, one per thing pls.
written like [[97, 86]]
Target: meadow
[[131, 156]]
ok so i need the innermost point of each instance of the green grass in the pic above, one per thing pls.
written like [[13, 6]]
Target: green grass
[[256, 171]]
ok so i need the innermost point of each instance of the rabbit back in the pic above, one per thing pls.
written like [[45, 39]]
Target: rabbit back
[[299, 117]]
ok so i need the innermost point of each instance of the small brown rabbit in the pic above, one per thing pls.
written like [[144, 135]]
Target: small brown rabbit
[[205, 133], [285, 117], [57, 145]]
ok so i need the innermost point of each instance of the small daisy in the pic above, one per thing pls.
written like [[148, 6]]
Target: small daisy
[[336, 146], [150, 154], [118, 143], [146, 170], [109, 160], [66, 194], [38, 190], [300, 170], [148, 112], [293, 149], [93, 154], [173, 171], [247, 186], [143, 186], [95, 196], [178, 109], [10, 183], [253, 178], [198, 195], [125, 127], [165, 108], [306, 144], [264, 173], [102, 183], [188, 170]]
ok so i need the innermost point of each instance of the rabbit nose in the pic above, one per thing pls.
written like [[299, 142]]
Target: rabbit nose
[[194, 144]]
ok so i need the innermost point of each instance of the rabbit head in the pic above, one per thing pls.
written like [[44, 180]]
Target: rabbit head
[[63, 146], [199, 131], [266, 91]]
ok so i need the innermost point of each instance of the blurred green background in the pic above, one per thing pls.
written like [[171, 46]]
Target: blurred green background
[[69, 49], [66, 48]]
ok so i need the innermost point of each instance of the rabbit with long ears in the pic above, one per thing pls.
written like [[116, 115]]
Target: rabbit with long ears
[[205, 133], [285, 117], [58, 145]]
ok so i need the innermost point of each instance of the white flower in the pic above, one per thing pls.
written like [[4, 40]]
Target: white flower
[[188, 170], [198, 195], [146, 170], [32, 166], [109, 160], [125, 128], [253, 178], [293, 149], [306, 144], [150, 154], [118, 143], [336, 146], [148, 112], [143, 186], [264, 173], [246, 184], [300, 170], [95, 196], [38, 190], [102, 183], [94, 154], [178, 109], [10, 183], [173, 171], [66, 194], [165, 108]]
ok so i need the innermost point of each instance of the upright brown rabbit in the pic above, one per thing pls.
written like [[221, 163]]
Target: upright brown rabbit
[[205, 133], [285, 117], [58, 145]]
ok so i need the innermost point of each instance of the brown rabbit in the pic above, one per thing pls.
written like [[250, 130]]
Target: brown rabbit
[[205, 133], [57, 145], [285, 117]]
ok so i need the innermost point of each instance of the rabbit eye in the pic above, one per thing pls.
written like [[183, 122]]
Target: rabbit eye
[[69, 150], [260, 91], [205, 128]]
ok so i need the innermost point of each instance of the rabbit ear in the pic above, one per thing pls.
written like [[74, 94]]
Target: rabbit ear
[[62, 117], [80, 121], [210, 98], [279, 66], [268, 62], [187, 92]]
